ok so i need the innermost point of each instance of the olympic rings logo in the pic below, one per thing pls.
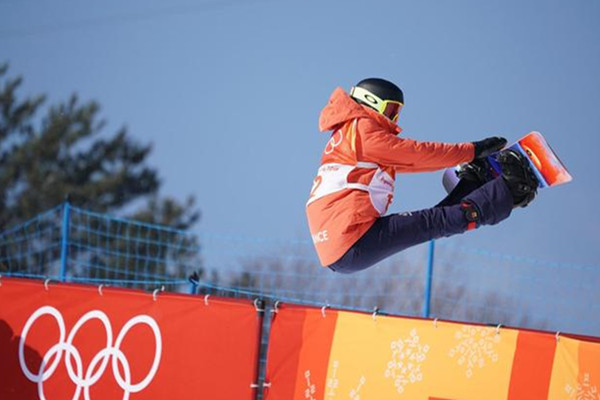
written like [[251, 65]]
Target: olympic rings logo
[[99, 362], [335, 141]]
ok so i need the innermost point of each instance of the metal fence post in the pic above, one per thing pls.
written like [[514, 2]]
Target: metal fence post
[[258, 384], [428, 279], [193, 287], [64, 240]]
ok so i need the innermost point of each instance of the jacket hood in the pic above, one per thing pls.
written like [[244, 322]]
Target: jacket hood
[[341, 108]]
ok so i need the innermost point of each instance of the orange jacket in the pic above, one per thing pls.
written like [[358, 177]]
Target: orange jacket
[[355, 183]]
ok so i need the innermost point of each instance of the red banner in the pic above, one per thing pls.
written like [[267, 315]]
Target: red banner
[[64, 341], [327, 355]]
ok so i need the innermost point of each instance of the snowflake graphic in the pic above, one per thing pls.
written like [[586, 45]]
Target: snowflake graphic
[[310, 387], [476, 344], [333, 382], [583, 391], [407, 357], [355, 393]]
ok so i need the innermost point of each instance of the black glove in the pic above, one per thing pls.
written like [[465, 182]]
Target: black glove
[[485, 147]]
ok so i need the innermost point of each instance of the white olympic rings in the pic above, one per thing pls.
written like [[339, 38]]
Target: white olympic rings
[[334, 142], [99, 361]]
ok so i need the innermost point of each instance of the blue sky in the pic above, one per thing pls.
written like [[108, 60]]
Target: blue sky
[[229, 93]]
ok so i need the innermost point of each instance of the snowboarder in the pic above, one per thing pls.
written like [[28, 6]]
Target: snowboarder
[[355, 182]]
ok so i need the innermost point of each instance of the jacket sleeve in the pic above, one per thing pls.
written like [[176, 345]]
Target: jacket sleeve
[[408, 155]]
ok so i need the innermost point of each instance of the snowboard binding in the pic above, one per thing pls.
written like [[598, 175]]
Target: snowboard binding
[[519, 177], [479, 171]]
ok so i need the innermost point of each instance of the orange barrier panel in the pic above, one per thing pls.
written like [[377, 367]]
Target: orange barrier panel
[[64, 341], [327, 354]]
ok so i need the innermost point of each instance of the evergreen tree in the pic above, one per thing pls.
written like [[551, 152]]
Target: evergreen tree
[[49, 153]]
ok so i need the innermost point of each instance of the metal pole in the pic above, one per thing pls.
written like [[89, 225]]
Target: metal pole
[[64, 250], [193, 287], [258, 381], [194, 280], [428, 279]]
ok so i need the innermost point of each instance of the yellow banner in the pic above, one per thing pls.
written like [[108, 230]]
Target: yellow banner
[[338, 355], [386, 357]]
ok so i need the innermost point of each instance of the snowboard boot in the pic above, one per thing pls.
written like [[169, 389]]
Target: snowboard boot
[[479, 171], [519, 177]]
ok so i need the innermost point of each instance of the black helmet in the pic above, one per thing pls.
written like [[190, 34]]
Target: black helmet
[[381, 95]]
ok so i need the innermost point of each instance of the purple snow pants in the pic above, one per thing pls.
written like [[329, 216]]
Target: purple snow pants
[[394, 233]]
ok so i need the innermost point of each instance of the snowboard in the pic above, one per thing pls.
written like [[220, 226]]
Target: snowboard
[[544, 163]]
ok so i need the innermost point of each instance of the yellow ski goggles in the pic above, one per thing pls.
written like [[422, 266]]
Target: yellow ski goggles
[[388, 108]]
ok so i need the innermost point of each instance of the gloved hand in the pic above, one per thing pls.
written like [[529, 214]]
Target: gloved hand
[[485, 147]]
